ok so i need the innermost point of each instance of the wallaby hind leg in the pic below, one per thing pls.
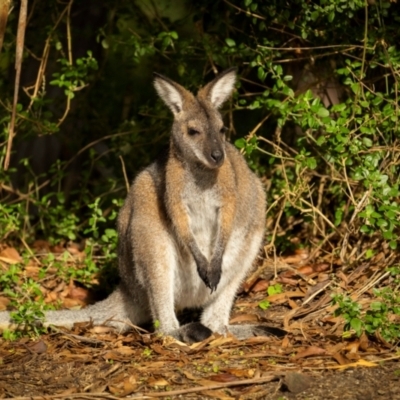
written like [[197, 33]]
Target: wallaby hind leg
[[237, 261], [157, 270], [148, 260]]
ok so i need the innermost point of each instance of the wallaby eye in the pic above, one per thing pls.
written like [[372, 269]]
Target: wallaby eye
[[223, 130], [193, 132]]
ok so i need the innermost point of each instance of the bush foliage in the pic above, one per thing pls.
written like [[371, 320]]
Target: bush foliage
[[316, 112]]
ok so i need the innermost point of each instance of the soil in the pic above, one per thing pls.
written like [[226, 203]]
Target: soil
[[98, 363], [316, 358]]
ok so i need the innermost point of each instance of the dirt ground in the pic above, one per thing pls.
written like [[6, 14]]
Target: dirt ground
[[98, 363], [309, 356]]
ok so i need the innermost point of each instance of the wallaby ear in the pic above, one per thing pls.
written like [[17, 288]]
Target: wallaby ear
[[219, 89], [170, 92]]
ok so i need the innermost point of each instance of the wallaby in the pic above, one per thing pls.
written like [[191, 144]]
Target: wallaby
[[191, 226]]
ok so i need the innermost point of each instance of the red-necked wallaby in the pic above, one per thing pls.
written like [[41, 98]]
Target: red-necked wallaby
[[191, 226]]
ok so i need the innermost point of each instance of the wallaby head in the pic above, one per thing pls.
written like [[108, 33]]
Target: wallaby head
[[198, 132]]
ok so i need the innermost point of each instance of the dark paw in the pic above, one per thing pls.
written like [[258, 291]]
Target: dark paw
[[214, 273], [202, 269], [193, 332]]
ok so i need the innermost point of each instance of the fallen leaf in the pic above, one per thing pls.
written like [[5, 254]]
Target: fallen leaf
[[359, 363], [189, 375], [287, 281], [321, 267], [217, 394], [126, 350], [222, 340], [241, 373], [69, 391], [260, 286], [225, 377], [157, 382], [102, 329], [4, 301], [115, 390], [113, 355], [341, 359], [130, 385], [292, 304], [282, 297], [77, 292], [72, 303], [10, 256], [285, 342], [244, 318], [305, 270], [38, 347], [32, 271], [310, 351], [352, 347], [364, 342], [41, 246], [299, 256]]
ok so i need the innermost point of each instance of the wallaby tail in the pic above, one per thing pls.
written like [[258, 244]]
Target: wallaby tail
[[111, 311]]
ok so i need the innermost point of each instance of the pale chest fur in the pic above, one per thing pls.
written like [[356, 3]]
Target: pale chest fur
[[203, 207]]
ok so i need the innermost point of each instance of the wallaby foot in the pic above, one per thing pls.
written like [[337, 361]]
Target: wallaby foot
[[196, 332], [192, 332]]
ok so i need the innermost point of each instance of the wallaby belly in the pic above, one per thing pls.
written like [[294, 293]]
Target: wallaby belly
[[203, 213]]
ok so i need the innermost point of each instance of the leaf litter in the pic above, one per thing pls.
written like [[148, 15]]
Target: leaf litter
[[91, 362]]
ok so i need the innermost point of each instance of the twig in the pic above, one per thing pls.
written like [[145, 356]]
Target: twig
[[45, 56], [316, 293], [18, 63], [265, 379], [30, 250], [245, 11], [71, 396], [70, 61], [4, 11], [77, 337], [371, 284], [125, 175]]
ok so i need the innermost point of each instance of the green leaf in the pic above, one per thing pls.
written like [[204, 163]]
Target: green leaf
[[274, 289], [174, 35], [367, 142], [311, 163], [369, 254], [356, 324], [265, 304], [240, 143], [230, 42], [355, 87], [261, 73], [323, 112]]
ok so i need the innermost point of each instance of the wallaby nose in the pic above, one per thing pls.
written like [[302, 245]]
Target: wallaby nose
[[216, 155]]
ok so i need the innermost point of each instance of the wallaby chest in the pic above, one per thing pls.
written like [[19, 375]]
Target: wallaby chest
[[203, 203]]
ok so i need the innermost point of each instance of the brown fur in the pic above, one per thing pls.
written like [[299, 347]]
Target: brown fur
[[190, 228]]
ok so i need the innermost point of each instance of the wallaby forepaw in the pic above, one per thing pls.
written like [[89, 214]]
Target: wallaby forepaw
[[192, 333], [214, 274], [203, 271]]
